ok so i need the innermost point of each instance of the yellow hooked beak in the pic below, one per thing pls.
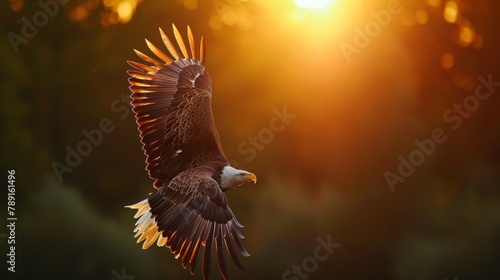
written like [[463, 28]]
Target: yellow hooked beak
[[250, 177]]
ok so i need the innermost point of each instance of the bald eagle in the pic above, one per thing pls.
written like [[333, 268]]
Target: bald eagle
[[188, 210]]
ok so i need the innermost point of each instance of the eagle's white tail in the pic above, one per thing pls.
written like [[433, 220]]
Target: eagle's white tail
[[146, 227]]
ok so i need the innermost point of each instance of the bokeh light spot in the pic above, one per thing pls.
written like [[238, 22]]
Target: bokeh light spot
[[451, 11], [79, 14], [447, 60], [434, 3], [421, 17], [230, 17], [467, 35], [124, 11], [16, 5], [190, 4], [215, 23]]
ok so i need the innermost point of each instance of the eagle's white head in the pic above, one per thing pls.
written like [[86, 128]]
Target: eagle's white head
[[232, 177]]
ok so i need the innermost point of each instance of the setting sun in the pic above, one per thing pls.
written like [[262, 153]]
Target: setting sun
[[312, 4]]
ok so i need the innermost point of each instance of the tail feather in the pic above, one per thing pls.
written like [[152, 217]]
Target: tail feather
[[146, 228]]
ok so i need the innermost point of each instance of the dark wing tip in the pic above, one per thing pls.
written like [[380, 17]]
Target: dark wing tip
[[207, 258], [220, 253]]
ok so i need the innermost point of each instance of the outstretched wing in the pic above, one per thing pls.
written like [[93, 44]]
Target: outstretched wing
[[191, 212], [171, 98]]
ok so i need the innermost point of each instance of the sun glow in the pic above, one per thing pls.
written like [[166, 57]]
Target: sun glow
[[312, 4]]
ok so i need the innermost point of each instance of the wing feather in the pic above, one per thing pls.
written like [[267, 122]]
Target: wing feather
[[202, 50], [232, 252], [180, 41], [207, 257], [146, 58], [190, 217], [220, 251], [158, 52], [193, 260], [169, 45], [192, 44], [142, 67], [160, 91]]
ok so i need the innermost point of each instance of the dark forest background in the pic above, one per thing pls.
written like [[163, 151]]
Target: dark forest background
[[324, 175]]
